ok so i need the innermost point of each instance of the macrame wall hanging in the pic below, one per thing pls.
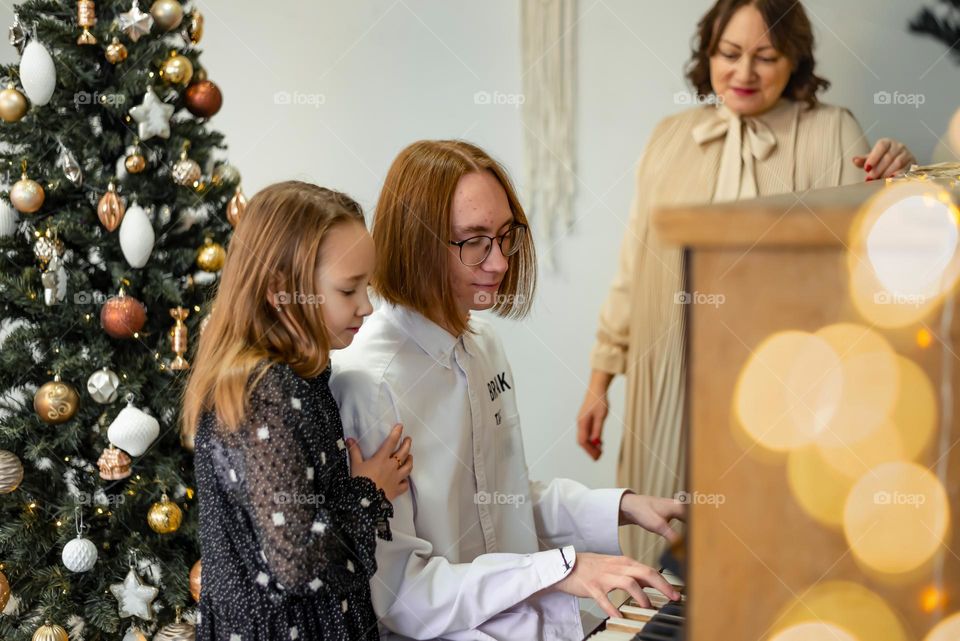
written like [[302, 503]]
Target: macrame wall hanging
[[548, 31]]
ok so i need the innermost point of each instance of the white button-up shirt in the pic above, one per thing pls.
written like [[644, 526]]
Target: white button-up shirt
[[475, 541]]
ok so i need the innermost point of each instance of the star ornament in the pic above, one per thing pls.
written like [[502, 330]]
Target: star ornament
[[135, 23], [152, 116], [135, 598]]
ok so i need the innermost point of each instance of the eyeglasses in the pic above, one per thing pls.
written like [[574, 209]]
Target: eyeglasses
[[475, 250]]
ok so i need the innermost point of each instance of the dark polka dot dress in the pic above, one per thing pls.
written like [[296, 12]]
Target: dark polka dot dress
[[287, 536]]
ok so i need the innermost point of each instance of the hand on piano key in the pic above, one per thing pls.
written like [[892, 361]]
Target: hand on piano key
[[596, 575], [662, 621]]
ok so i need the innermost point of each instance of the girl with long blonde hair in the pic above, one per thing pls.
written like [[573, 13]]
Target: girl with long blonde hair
[[287, 534]]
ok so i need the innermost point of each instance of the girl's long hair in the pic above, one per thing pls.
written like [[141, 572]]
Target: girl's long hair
[[275, 252]]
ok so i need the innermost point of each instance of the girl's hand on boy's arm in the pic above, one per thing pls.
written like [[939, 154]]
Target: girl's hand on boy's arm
[[389, 468]]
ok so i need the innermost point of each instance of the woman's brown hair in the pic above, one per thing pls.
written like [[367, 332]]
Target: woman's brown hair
[[411, 232], [275, 251], [790, 33]]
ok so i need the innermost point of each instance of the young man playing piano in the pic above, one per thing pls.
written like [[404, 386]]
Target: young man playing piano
[[479, 551]]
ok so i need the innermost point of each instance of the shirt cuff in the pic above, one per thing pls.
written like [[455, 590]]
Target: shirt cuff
[[554, 565], [602, 529]]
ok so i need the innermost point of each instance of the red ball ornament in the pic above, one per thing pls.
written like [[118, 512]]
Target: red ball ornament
[[203, 99], [123, 316]]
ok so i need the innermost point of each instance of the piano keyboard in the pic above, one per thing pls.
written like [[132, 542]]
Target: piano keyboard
[[662, 621]]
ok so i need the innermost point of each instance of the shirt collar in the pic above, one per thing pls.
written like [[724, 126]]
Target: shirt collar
[[435, 341]]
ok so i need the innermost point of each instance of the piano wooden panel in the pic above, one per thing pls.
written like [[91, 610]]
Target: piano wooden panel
[[780, 263]]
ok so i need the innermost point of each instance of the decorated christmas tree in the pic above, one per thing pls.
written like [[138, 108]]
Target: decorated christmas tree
[[117, 206]]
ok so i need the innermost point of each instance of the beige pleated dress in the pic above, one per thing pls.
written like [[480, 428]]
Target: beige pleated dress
[[706, 154]]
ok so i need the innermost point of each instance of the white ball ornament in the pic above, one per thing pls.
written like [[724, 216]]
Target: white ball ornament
[[133, 430], [79, 555], [38, 73], [136, 236]]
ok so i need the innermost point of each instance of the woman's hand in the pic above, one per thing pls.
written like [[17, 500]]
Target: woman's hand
[[887, 158], [595, 575], [592, 414], [652, 513], [389, 467]]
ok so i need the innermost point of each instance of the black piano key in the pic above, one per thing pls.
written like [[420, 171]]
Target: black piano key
[[674, 608]]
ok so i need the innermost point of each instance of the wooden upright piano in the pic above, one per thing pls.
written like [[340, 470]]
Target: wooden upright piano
[[823, 433]]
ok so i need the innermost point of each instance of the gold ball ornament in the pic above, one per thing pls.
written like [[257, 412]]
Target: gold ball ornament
[[135, 162], [50, 632], [165, 516], [123, 316], [211, 256], [4, 591], [56, 402], [27, 195], [168, 14], [11, 474], [13, 104], [116, 52], [195, 574], [177, 69], [225, 173]]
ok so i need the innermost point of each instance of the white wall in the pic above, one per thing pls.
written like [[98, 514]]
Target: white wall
[[391, 72]]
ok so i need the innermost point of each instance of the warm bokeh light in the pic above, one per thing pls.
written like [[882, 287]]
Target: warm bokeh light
[[819, 489], [946, 630], [847, 605], [924, 338], [814, 631], [870, 383], [904, 252], [903, 436], [932, 599], [895, 517], [789, 390]]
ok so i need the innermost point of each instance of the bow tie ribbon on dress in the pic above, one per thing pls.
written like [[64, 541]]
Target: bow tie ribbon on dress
[[746, 140]]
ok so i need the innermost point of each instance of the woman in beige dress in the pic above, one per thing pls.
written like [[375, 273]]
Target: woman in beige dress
[[767, 133]]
